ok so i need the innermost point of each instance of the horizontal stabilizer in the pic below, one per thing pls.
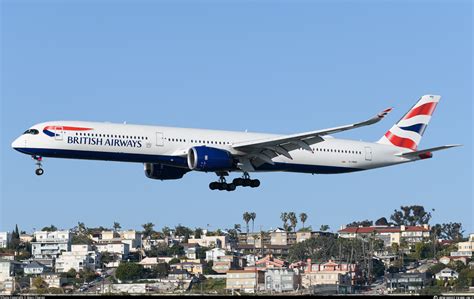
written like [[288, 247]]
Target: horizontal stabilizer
[[426, 151]]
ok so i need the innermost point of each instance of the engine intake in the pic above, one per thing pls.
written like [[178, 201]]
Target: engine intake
[[163, 172], [203, 158]]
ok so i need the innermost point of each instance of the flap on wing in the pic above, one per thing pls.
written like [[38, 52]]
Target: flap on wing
[[425, 151]]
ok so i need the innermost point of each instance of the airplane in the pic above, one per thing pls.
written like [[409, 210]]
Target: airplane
[[168, 153]]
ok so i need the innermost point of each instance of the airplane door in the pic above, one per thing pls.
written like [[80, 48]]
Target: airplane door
[[368, 153], [159, 139], [58, 133]]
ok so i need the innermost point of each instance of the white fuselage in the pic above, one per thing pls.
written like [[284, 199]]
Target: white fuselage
[[169, 145]]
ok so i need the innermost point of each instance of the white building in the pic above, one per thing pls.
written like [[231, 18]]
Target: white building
[[119, 249], [468, 245], [211, 241], [214, 254], [79, 258], [132, 238], [447, 274], [35, 268], [5, 238], [280, 280], [49, 245]]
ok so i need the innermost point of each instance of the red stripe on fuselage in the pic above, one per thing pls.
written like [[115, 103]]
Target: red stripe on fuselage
[[401, 142], [425, 109]]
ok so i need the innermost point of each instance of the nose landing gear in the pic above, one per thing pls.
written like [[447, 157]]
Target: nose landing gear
[[39, 170]]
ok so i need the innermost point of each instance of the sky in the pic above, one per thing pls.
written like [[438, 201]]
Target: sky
[[266, 66]]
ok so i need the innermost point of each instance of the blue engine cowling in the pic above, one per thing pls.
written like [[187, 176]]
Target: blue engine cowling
[[163, 172], [203, 158]]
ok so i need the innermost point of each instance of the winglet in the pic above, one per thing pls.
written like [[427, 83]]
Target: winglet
[[385, 112]]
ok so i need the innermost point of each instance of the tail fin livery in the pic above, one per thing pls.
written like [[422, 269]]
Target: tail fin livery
[[407, 132]]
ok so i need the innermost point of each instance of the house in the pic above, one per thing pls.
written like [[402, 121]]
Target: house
[[270, 262], [447, 274], [36, 268], [447, 259], [388, 234], [150, 262], [277, 237], [330, 273], [191, 250], [117, 248], [8, 270], [5, 238], [51, 279], [211, 241], [407, 282], [281, 280], [192, 267], [214, 253], [468, 245], [49, 245], [25, 238], [247, 281], [132, 238], [225, 263], [79, 258], [179, 274]]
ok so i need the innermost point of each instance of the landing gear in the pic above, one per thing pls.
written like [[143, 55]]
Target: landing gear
[[222, 185], [39, 170], [245, 181]]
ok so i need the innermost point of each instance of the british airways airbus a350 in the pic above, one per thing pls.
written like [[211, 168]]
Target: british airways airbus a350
[[168, 153]]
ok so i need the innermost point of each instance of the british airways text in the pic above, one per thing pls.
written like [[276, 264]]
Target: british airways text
[[105, 142]]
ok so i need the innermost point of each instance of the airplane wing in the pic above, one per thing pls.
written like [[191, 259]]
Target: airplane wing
[[428, 150], [268, 148]]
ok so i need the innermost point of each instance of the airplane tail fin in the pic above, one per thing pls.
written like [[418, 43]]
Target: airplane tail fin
[[407, 132]]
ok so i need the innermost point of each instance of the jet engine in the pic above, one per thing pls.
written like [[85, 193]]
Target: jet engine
[[203, 158], [163, 172]]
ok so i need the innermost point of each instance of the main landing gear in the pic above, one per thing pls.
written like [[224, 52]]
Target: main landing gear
[[244, 181], [39, 170]]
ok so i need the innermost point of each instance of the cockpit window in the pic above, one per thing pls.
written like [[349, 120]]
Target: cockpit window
[[32, 132]]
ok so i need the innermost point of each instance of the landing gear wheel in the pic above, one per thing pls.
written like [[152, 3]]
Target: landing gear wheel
[[246, 182], [238, 181], [254, 183], [213, 185], [230, 187], [39, 171]]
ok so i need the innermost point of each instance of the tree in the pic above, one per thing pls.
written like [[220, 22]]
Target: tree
[[166, 231], [324, 227], [247, 217], [198, 233], [183, 231], [382, 221], [363, 223], [253, 215], [161, 270], [117, 226], [411, 215], [81, 227], [293, 220], [452, 231], [303, 218], [39, 283], [129, 271], [50, 228], [284, 219], [147, 229]]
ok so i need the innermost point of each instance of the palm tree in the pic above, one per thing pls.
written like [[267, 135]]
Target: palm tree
[[237, 227], [81, 227], [303, 218], [324, 227], [147, 229], [247, 217], [117, 226], [293, 220], [253, 215], [284, 218]]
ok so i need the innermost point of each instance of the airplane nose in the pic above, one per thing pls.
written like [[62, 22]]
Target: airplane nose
[[17, 143]]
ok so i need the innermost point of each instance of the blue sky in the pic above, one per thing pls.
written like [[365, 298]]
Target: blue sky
[[279, 67]]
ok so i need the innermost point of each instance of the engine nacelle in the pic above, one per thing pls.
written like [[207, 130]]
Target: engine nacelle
[[203, 158], [163, 172]]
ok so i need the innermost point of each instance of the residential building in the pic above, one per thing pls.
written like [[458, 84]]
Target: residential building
[[211, 241], [149, 243], [247, 281], [150, 262], [119, 249], [35, 268], [191, 250], [225, 263], [330, 272], [5, 238], [447, 259], [53, 280], [406, 282], [179, 274], [49, 245], [80, 257], [195, 268], [468, 245], [8, 270], [388, 234], [280, 280], [447, 274], [214, 253], [132, 238], [270, 262]]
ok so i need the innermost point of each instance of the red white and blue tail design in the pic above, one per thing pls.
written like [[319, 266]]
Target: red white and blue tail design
[[408, 131]]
